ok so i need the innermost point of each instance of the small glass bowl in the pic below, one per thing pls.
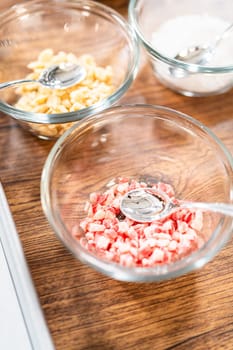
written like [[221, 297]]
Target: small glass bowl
[[141, 142], [165, 28], [78, 27]]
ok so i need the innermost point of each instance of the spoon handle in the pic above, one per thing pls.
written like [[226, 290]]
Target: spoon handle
[[223, 35], [221, 208], [16, 82]]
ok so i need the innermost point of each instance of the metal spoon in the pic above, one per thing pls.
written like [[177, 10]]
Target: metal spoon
[[55, 77], [202, 54], [198, 54], [148, 204]]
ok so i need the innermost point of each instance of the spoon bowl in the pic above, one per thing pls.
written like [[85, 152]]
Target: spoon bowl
[[55, 77]]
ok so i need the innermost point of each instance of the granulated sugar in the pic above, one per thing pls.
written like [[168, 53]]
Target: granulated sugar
[[186, 31]]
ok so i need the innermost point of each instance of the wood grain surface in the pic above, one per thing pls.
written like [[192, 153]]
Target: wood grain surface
[[86, 310]]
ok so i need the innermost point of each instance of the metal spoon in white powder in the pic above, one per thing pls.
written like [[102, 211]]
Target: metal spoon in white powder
[[181, 32]]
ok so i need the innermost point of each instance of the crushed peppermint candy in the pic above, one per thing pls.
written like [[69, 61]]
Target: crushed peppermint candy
[[108, 234]]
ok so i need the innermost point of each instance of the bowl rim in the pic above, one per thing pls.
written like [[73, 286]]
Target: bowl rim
[[138, 274], [88, 5], [189, 67]]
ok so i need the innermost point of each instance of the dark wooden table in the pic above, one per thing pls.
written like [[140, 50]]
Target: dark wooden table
[[86, 310]]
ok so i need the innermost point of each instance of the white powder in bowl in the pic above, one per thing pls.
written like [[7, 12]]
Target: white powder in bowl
[[186, 31]]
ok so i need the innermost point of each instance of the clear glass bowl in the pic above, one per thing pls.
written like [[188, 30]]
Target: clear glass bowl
[[78, 27], [167, 27], [142, 142]]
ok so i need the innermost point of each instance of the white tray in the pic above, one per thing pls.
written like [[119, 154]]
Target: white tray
[[22, 324]]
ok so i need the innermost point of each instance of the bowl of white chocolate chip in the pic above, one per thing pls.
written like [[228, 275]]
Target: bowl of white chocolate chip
[[40, 40]]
